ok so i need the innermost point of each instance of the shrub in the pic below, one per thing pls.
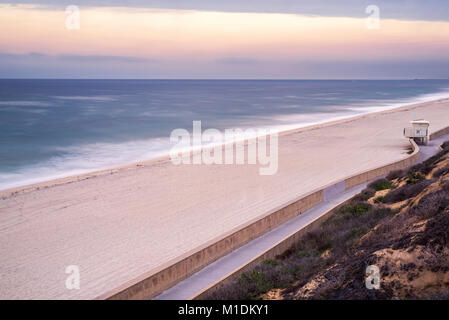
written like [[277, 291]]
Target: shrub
[[271, 262], [380, 184], [446, 186], [319, 240], [308, 253], [379, 200], [364, 195], [406, 191], [357, 232], [414, 176], [416, 167], [431, 203], [257, 275], [382, 212], [439, 172], [395, 174], [430, 163], [355, 210], [427, 168], [445, 145]]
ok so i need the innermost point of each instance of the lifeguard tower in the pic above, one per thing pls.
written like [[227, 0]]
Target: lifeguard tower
[[419, 131]]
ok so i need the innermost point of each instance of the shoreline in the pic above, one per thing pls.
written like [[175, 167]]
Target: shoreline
[[122, 226], [112, 170]]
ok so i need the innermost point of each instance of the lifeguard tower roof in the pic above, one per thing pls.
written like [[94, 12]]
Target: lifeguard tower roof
[[420, 121]]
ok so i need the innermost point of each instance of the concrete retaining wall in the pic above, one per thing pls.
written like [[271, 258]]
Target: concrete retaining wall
[[156, 281], [379, 172], [439, 133]]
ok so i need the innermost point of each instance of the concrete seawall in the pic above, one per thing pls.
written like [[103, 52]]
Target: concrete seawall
[[156, 281], [439, 133]]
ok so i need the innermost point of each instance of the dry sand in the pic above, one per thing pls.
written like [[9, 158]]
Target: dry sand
[[117, 225]]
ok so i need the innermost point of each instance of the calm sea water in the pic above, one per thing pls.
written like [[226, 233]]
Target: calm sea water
[[56, 128]]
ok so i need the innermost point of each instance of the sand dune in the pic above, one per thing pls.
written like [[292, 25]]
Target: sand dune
[[118, 224]]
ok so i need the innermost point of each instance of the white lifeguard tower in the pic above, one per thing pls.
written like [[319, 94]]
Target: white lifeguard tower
[[419, 131]]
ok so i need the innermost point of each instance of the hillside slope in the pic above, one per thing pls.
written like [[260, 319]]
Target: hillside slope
[[410, 248]]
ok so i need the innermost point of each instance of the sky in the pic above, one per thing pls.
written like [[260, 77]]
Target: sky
[[255, 39]]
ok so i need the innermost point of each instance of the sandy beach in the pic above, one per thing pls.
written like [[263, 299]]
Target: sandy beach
[[119, 224]]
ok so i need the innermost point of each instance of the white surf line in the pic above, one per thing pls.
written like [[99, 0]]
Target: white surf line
[[222, 267]]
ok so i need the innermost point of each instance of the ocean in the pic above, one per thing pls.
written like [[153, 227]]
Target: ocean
[[56, 128]]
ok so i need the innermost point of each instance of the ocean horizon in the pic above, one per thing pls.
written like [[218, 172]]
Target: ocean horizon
[[54, 128]]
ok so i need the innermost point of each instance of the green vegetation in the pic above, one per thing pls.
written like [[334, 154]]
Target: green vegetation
[[356, 233], [380, 199], [381, 184], [365, 195], [407, 191], [271, 262], [355, 210], [396, 174], [414, 176], [439, 172]]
